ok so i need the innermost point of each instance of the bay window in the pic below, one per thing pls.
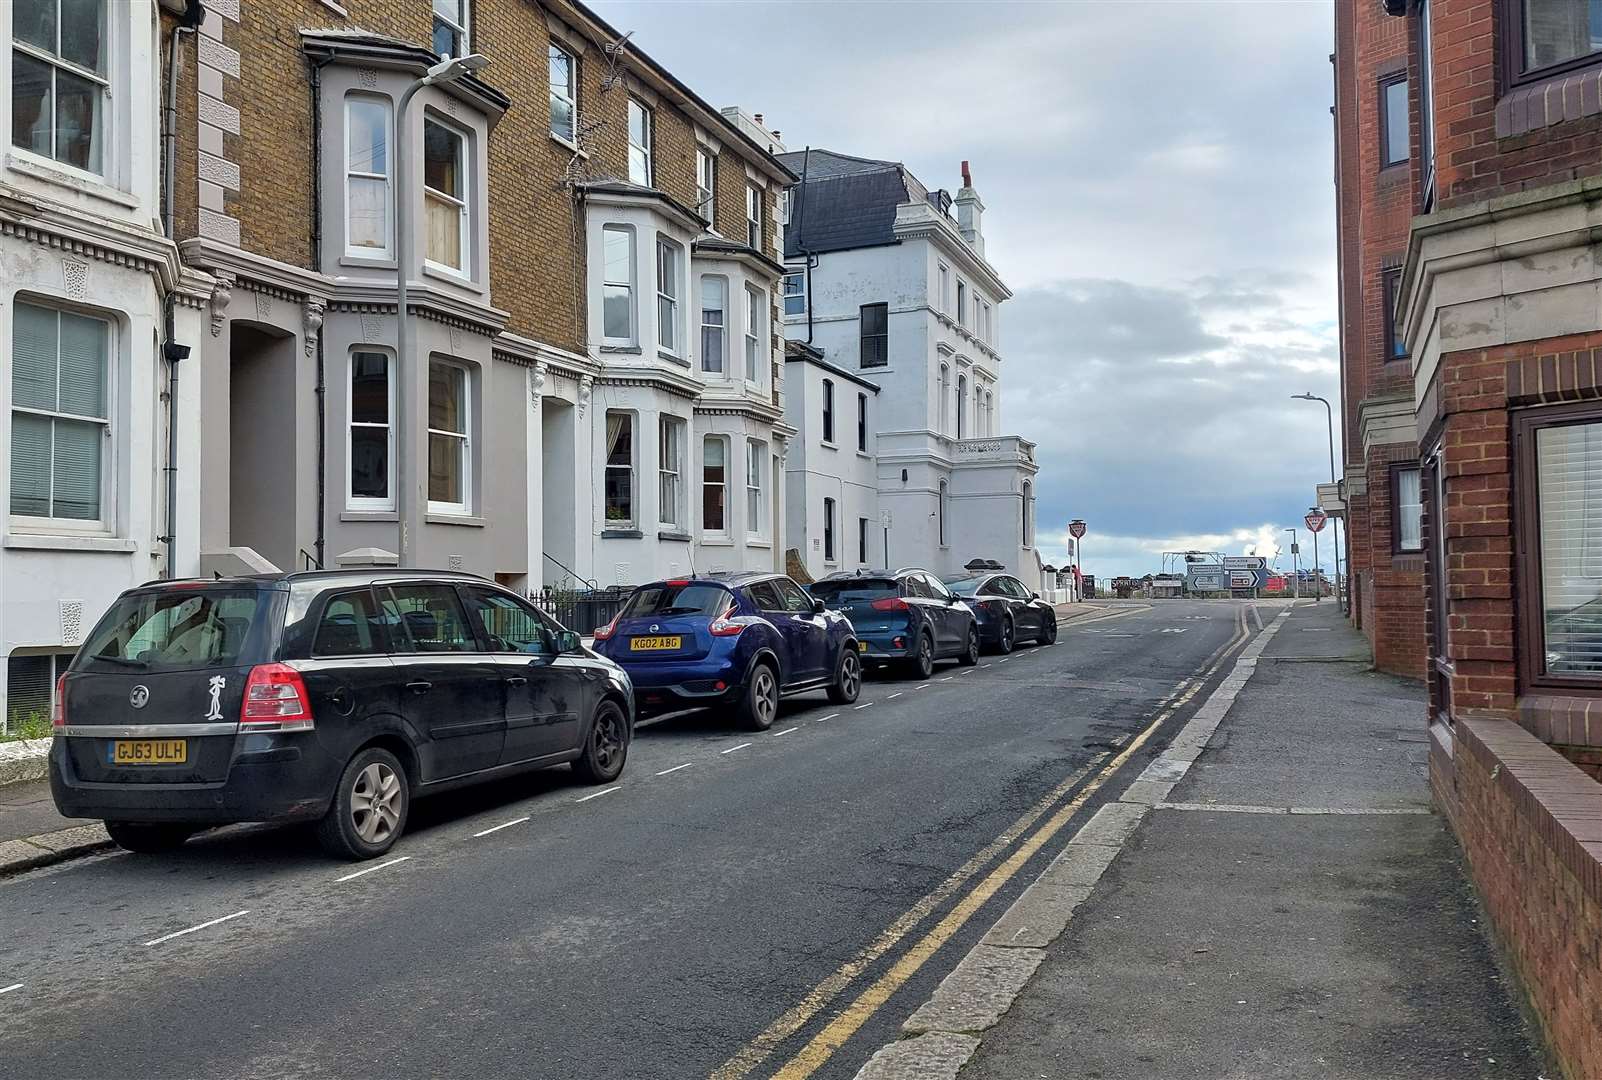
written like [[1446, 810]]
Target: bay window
[[617, 284], [449, 442], [619, 469], [371, 444], [1560, 520], [714, 323], [668, 255], [367, 185], [756, 460], [59, 89], [445, 195], [564, 93], [60, 416], [670, 468], [640, 164], [753, 335], [714, 484]]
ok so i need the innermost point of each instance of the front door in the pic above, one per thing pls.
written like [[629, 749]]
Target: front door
[[452, 695], [544, 692], [947, 613], [811, 630]]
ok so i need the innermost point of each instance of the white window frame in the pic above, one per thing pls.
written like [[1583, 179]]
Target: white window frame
[[104, 115], [962, 404], [567, 94], [942, 499], [862, 423], [722, 369], [465, 436], [670, 435], [633, 469], [962, 303], [354, 251], [943, 304], [754, 328], [799, 295], [462, 203], [668, 253], [1403, 547], [352, 500], [648, 125], [728, 453], [105, 524], [465, 14], [756, 462], [827, 429], [706, 185], [607, 282], [831, 533], [945, 390], [753, 216]]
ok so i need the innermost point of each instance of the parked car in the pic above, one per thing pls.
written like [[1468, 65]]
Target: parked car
[[332, 696], [906, 618], [738, 641], [1007, 611]]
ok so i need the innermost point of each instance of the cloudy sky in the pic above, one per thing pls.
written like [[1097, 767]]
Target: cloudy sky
[[1157, 182]]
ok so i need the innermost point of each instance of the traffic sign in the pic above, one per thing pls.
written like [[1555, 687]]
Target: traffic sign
[[1245, 562], [1315, 520], [1076, 529]]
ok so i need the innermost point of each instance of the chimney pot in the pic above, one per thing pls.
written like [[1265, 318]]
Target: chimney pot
[[758, 118]]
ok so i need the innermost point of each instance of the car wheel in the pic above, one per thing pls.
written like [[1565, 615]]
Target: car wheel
[[970, 655], [369, 809], [848, 679], [1007, 638], [921, 664], [759, 706], [1048, 632], [607, 748], [148, 839]]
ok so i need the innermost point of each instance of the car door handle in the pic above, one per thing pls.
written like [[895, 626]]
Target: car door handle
[[516, 680], [419, 686]]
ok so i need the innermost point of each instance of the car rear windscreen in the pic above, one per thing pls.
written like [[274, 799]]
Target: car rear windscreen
[[665, 599], [963, 586], [855, 591], [175, 630]]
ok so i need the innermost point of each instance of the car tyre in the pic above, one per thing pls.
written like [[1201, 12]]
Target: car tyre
[[607, 748], [921, 664], [370, 806], [1048, 631], [1007, 638], [759, 704], [847, 677], [970, 655], [148, 839]]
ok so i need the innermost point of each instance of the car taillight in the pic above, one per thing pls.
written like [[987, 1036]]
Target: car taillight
[[58, 714], [889, 603], [602, 633], [276, 699], [724, 627]]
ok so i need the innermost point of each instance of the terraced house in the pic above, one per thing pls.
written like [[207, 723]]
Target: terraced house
[[585, 386]]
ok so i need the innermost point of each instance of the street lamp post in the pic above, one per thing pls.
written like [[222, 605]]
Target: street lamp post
[[1296, 573], [448, 70], [1329, 419]]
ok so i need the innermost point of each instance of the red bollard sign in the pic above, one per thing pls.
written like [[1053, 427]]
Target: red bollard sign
[[1315, 520]]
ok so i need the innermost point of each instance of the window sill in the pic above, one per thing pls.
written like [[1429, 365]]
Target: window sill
[[827, 445], [716, 541], [758, 542], [1532, 105], [662, 354], [1394, 174], [445, 273], [59, 542], [864, 455], [437, 517], [569, 144], [622, 534], [66, 176], [630, 349], [368, 262], [368, 515], [676, 537]]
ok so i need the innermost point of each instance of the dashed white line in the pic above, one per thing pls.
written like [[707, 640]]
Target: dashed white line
[[896, 694], [951, 678], [596, 795], [981, 665], [372, 869], [190, 930], [732, 749], [8, 989], [498, 828], [923, 686], [1003, 660], [968, 672], [786, 731], [864, 705], [831, 716], [676, 768]]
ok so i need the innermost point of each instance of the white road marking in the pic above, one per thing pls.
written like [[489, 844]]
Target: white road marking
[[831, 716], [596, 795], [1003, 660], [981, 665], [191, 930], [1175, 629], [786, 731], [968, 672], [864, 705], [951, 678], [8, 989], [676, 768], [498, 828], [924, 686], [732, 749], [371, 869], [896, 694]]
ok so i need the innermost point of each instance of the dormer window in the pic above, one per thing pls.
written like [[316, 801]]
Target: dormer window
[[58, 80]]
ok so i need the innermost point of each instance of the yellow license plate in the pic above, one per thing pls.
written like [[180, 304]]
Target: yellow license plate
[[646, 644], [862, 646], [149, 752]]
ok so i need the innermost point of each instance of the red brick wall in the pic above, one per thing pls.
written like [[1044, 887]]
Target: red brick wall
[[1529, 823], [1394, 622]]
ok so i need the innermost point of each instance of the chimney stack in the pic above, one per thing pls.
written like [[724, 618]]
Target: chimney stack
[[969, 212]]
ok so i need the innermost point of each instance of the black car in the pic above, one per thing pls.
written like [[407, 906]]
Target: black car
[[332, 696], [1008, 612], [906, 618]]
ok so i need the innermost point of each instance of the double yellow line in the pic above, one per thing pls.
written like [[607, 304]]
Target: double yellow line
[[834, 1034]]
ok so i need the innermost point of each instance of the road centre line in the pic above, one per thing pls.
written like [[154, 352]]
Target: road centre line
[[786, 731], [968, 671], [864, 705], [831, 716], [190, 930], [758, 1050], [498, 828], [894, 695], [676, 768], [922, 686], [949, 678], [371, 869], [1003, 660], [598, 794], [8, 989], [984, 665], [732, 749]]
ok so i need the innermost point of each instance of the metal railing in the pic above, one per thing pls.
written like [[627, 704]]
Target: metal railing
[[581, 609]]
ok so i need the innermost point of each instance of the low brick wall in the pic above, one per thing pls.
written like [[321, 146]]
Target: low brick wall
[[1531, 825]]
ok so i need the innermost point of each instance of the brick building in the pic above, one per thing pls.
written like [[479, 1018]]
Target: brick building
[[1376, 178], [596, 363], [1498, 308]]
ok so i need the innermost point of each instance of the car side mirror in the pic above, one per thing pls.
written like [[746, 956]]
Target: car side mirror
[[1035, 595], [569, 642], [818, 606], [953, 601]]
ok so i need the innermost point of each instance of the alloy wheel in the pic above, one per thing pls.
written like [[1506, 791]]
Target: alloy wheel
[[608, 740], [765, 697], [375, 803], [851, 675]]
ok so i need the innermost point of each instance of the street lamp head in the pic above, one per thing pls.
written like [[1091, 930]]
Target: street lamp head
[[454, 68], [1303, 397]]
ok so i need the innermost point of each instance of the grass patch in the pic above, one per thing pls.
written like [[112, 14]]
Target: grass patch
[[28, 726]]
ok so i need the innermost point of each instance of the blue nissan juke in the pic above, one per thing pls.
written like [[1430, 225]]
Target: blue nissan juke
[[737, 641]]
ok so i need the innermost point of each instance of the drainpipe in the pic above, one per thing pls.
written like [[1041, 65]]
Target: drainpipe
[[317, 261], [800, 214], [172, 352]]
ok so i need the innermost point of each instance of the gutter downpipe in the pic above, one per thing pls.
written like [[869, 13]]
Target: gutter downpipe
[[321, 388], [801, 215], [192, 16]]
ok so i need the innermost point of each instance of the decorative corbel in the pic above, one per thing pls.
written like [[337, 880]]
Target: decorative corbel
[[312, 319], [585, 384], [536, 384], [221, 293]]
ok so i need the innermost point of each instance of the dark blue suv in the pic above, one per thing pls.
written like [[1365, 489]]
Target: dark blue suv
[[907, 618], [734, 640]]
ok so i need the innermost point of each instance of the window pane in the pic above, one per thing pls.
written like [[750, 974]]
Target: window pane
[[431, 617], [617, 248], [1569, 486], [1409, 510], [77, 470], [637, 124], [447, 386], [349, 626], [78, 121], [369, 214], [714, 477], [445, 468], [369, 137], [442, 159], [30, 465], [82, 34], [369, 388], [34, 349], [444, 231], [561, 72], [666, 316], [667, 270], [447, 42], [1395, 106], [83, 366], [369, 462], [639, 166], [619, 439], [1559, 30], [562, 118], [31, 115], [34, 21], [617, 312]]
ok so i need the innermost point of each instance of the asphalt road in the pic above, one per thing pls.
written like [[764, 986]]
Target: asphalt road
[[655, 928]]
